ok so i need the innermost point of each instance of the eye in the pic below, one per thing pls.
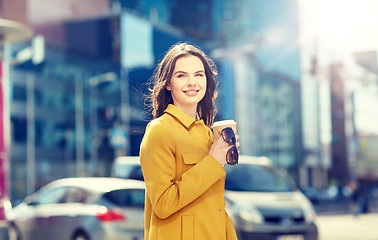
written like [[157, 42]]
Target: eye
[[180, 75], [199, 75]]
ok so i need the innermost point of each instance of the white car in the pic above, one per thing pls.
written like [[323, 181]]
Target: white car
[[127, 167], [86, 208]]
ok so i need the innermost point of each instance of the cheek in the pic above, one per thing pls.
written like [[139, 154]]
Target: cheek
[[204, 84], [204, 88]]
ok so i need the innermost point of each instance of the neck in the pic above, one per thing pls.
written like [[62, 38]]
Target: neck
[[192, 112]]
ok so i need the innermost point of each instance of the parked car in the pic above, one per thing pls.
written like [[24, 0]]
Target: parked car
[[323, 195], [369, 200], [86, 208], [127, 167], [264, 203]]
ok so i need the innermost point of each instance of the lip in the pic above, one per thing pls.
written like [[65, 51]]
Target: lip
[[191, 92]]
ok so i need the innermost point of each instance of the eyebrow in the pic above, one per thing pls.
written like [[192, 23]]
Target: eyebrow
[[199, 71]]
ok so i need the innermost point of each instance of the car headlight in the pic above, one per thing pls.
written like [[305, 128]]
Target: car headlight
[[310, 214], [247, 213]]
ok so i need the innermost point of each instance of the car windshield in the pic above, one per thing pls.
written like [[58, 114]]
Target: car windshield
[[129, 171], [126, 197], [255, 178]]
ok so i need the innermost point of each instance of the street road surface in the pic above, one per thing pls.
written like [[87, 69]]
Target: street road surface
[[348, 227]]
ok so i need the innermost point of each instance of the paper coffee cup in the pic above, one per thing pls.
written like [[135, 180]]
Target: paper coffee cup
[[220, 125]]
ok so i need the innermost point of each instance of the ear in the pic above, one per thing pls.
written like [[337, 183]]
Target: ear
[[168, 87]]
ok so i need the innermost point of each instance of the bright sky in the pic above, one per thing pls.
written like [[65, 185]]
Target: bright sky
[[345, 26], [350, 25]]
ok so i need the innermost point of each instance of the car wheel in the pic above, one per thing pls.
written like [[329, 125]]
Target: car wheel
[[80, 236], [13, 233]]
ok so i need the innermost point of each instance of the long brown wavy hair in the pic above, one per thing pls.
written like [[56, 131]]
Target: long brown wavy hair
[[160, 97]]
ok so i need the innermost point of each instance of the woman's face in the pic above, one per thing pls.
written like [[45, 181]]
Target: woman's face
[[188, 82]]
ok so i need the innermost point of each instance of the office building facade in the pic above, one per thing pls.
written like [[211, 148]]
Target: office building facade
[[85, 104]]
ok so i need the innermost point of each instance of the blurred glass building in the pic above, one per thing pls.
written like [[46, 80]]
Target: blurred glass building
[[85, 103], [73, 113], [260, 70]]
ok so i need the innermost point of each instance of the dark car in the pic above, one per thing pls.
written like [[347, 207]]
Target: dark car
[[369, 201], [84, 208], [265, 204]]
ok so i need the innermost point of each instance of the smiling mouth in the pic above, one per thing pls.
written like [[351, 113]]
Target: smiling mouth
[[191, 92]]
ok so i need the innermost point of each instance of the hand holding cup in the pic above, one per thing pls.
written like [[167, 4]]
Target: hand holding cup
[[226, 131]]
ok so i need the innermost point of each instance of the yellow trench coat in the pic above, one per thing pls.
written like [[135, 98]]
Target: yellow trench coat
[[185, 185]]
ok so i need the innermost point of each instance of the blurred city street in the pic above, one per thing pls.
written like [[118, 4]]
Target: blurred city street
[[300, 79], [348, 227], [336, 221]]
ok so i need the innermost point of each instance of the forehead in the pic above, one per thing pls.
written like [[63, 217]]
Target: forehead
[[189, 63]]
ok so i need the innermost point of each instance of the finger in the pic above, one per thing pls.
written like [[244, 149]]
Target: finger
[[220, 139]]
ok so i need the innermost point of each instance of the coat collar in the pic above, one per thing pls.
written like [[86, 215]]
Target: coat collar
[[182, 117]]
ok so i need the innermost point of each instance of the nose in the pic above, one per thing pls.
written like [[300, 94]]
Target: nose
[[191, 81]]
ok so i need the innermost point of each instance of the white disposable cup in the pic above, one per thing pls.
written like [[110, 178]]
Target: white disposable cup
[[220, 125]]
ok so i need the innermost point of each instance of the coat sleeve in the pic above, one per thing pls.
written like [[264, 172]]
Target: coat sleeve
[[157, 156], [230, 230]]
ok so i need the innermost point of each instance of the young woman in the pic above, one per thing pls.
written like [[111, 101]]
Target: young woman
[[182, 164]]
